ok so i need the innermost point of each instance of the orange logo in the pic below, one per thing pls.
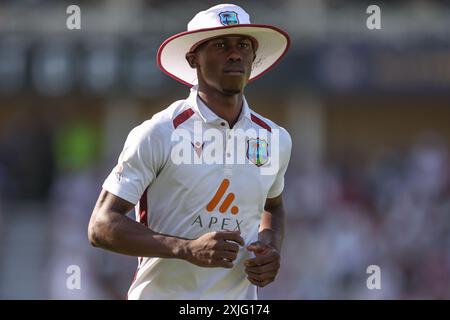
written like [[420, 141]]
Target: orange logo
[[226, 203]]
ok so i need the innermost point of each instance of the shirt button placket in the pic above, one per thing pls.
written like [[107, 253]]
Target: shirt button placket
[[228, 171]]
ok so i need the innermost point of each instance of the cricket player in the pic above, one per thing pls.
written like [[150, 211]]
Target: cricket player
[[208, 226]]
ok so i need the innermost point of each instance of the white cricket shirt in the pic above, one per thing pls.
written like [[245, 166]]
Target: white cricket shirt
[[197, 195]]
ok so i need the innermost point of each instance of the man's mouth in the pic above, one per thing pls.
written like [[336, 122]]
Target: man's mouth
[[234, 71]]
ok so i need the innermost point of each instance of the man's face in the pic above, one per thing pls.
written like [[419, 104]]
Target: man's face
[[224, 63]]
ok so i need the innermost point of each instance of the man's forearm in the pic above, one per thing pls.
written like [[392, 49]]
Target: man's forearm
[[116, 232], [271, 230]]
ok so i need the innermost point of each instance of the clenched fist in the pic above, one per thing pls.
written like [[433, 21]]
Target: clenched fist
[[262, 269], [215, 249]]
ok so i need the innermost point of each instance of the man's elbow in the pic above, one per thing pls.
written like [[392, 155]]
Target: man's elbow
[[96, 231], [93, 235]]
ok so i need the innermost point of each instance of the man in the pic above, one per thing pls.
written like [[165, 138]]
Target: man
[[205, 229]]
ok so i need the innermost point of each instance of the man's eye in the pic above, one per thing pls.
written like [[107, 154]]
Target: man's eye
[[244, 45], [220, 45]]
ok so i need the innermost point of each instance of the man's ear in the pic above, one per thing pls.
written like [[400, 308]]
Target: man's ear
[[191, 58]]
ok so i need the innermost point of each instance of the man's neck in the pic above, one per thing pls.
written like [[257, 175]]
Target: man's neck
[[228, 107]]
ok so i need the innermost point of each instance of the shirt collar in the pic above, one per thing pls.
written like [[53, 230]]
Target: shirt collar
[[206, 113]]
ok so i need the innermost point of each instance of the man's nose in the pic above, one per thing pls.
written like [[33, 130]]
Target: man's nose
[[234, 54]]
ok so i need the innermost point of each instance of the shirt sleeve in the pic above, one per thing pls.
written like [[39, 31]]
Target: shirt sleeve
[[138, 163], [285, 154]]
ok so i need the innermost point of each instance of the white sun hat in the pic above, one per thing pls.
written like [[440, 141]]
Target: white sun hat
[[223, 19]]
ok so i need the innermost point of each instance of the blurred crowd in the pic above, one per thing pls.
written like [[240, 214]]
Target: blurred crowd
[[392, 211]]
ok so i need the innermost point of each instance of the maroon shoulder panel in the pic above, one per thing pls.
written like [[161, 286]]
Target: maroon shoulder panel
[[182, 117], [261, 123]]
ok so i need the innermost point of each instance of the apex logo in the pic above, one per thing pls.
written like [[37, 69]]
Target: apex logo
[[226, 203], [224, 223]]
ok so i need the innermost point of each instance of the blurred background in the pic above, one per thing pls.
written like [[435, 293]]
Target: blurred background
[[368, 112]]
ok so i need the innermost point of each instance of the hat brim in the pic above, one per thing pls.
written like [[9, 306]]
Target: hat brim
[[272, 46]]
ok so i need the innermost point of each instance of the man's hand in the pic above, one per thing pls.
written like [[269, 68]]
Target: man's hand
[[215, 249], [262, 269]]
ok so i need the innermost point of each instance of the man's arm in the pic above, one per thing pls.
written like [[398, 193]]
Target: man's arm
[[110, 229], [263, 269], [271, 230]]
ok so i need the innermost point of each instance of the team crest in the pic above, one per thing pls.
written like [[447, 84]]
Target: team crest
[[228, 18], [257, 151]]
